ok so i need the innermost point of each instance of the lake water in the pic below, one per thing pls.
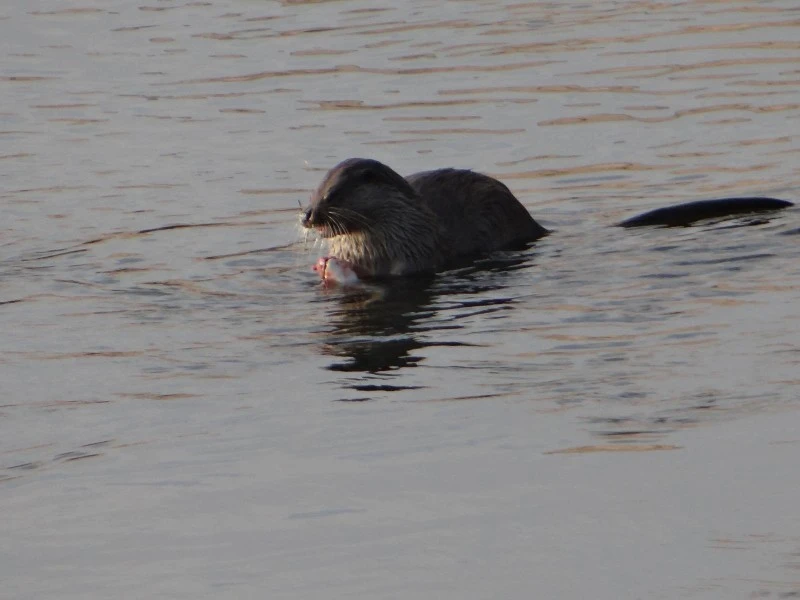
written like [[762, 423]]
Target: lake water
[[186, 413]]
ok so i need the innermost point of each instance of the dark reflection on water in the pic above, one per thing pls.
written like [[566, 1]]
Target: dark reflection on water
[[378, 329]]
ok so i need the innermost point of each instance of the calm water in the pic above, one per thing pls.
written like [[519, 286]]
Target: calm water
[[185, 413]]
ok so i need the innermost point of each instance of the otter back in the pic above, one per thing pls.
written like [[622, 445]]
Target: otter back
[[476, 213]]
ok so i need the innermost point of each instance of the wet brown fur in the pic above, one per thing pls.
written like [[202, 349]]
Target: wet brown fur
[[384, 224]]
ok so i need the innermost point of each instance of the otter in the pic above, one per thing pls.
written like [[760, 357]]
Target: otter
[[378, 223]]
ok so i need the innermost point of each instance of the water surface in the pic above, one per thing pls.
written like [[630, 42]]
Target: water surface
[[186, 413]]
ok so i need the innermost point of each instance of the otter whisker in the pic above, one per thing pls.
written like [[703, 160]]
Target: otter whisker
[[335, 224], [349, 215], [353, 215]]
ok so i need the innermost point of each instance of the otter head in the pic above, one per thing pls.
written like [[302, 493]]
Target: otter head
[[371, 217], [350, 197]]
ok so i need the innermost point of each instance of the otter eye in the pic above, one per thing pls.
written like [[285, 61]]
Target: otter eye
[[330, 197]]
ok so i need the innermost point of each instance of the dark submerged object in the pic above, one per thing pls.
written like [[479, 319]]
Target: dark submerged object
[[383, 224]]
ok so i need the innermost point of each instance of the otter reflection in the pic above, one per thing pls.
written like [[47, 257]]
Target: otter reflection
[[378, 331]]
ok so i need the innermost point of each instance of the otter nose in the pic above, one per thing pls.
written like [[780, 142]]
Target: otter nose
[[308, 217]]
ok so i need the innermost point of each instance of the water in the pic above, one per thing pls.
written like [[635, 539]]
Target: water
[[186, 413]]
